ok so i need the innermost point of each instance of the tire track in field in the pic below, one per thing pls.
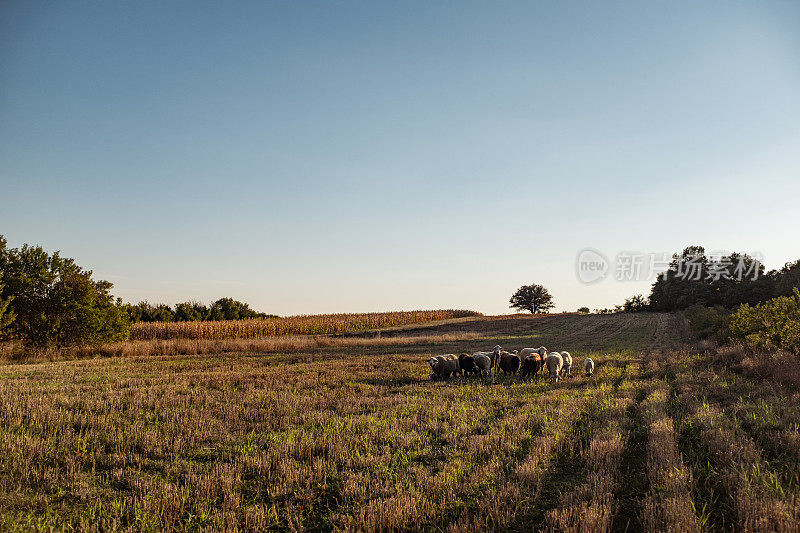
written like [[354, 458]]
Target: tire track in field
[[714, 504], [632, 470], [713, 508], [667, 505], [759, 497], [563, 474], [766, 414], [590, 506]]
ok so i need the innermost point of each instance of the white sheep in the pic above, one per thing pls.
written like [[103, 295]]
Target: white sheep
[[554, 363], [567, 362], [496, 354], [443, 366], [525, 352], [588, 365]]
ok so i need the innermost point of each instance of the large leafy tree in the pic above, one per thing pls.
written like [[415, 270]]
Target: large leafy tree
[[56, 302], [534, 298]]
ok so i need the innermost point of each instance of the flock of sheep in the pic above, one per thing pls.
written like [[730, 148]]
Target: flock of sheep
[[528, 361]]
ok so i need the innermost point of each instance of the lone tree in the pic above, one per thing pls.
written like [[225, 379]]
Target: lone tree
[[533, 298]]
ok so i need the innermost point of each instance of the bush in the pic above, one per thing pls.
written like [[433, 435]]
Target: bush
[[709, 322], [772, 324]]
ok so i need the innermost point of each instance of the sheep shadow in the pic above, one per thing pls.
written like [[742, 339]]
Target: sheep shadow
[[395, 381], [574, 381]]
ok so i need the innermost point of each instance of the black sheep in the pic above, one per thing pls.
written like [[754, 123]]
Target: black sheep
[[467, 364], [532, 365]]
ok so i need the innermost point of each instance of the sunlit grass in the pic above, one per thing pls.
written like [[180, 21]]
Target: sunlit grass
[[358, 438]]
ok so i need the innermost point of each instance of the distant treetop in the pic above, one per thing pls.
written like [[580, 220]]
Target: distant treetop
[[222, 309]]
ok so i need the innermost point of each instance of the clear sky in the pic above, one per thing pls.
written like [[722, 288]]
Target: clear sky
[[362, 156]]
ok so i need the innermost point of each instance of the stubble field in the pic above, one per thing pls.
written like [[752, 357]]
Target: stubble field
[[358, 438]]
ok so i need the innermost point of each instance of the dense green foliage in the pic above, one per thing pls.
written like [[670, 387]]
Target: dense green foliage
[[696, 279], [6, 311], [709, 289], [710, 322], [748, 282], [772, 324], [222, 309], [534, 298], [56, 303]]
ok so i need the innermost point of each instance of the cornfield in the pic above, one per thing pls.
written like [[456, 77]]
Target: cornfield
[[293, 325]]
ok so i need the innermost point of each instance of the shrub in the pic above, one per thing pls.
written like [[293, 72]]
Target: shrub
[[709, 322], [772, 324]]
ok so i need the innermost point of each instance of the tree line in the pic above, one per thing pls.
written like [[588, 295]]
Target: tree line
[[222, 309], [729, 298], [695, 279], [49, 301], [692, 279]]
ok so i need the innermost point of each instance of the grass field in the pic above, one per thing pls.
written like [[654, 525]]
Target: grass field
[[356, 437]]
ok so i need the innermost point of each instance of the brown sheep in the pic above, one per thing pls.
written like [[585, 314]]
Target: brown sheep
[[509, 362], [443, 366]]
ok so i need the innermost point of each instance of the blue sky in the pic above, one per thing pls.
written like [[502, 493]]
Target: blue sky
[[333, 156]]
